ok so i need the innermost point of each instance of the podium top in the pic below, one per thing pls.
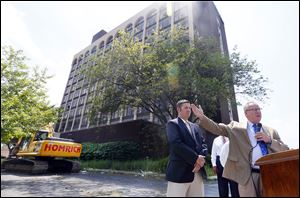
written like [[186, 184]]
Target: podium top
[[282, 156]]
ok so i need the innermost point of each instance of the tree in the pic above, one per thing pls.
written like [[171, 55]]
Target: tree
[[155, 75], [24, 108]]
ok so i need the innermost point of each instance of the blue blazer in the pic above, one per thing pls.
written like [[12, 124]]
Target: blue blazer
[[184, 151]]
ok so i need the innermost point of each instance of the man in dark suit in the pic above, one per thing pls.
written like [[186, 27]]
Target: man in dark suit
[[185, 171]]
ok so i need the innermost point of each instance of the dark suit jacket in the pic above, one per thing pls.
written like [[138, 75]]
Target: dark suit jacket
[[184, 151]]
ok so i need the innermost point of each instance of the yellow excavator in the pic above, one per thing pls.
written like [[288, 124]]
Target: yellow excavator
[[44, 152]]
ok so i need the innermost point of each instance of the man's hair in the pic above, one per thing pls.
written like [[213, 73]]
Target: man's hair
[[181, 102], [249, 104]]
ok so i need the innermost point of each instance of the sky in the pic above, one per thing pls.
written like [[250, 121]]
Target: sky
[[51, 33]]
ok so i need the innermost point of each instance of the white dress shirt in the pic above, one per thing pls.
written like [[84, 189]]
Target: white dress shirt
[[224, 153], [188, 126], [256, 152], [216, 148]]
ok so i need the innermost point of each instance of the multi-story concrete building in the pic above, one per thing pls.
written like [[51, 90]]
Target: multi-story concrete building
[[199, 18]]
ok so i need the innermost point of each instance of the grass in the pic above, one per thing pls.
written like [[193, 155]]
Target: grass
[[153, 165]]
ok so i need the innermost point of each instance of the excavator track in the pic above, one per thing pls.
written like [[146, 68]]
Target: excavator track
[[33, 166], [26, 166], [63, 165]]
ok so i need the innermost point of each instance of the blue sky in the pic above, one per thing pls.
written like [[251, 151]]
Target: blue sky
[[50, 33]]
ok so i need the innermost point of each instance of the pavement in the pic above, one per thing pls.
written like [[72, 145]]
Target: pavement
[[95, 183]]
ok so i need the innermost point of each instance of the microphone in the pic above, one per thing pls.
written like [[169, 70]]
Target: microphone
[[259, 125]]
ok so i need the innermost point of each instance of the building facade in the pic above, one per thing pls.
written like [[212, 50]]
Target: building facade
[[199, 18]]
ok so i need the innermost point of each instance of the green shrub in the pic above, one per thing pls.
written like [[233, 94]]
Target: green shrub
[[153, 165], [121, 150]]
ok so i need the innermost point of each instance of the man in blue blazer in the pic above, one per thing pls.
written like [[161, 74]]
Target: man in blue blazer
[[185, 171]]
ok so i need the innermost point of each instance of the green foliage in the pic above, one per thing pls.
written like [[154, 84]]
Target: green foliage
[[154, 141], [121, 150], [24, 108], [158, 165], [209, 170], [155, 75], [247, 78], [153, 165]]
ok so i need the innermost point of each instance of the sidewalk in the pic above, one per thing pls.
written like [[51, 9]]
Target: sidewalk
[[210, 185]]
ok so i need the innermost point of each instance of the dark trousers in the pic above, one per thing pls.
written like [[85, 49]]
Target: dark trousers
[[224, 182]]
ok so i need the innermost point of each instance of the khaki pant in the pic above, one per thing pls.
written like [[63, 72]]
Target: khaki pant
[[253, 187], [191, 189]]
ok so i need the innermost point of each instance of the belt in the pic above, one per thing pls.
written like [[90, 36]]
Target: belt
[[255, 170]]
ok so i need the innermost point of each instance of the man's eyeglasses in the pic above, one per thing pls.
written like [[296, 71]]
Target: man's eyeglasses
[[254, 109]]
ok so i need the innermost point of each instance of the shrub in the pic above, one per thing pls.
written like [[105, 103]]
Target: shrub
[[121, 150]]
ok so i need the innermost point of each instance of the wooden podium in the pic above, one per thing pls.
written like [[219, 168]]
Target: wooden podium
[[280, 174]]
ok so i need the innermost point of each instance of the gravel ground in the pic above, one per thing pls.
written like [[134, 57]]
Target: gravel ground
[[87, 184]]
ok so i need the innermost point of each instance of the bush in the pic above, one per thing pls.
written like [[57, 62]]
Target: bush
[[121, 150], [158, 165]]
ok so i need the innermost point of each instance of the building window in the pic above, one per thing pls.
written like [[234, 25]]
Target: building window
[[150, 30], [71, 115], [76, 94], [79, 111], [76, 123], [87, 109], [68, 106], [101, 48], [84, 122], [151, 23], [68, 90], [64, 99], [180, 13], [81, 100], [103, 119], [69, 125], [151, 18], [138, 37], [66, 115], [71, 96], [94, 49], [74, 62], [129, 28], [80, 59], [63, 124], [74, 103], [115, 114], [69, 82], [129, 111], [117, 35], [139, 25], [182, 24], [165, 23], [109, 43], [84, 91], [87, 54], [73, 88]]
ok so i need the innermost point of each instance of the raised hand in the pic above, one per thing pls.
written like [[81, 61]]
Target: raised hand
[[197, 111]]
